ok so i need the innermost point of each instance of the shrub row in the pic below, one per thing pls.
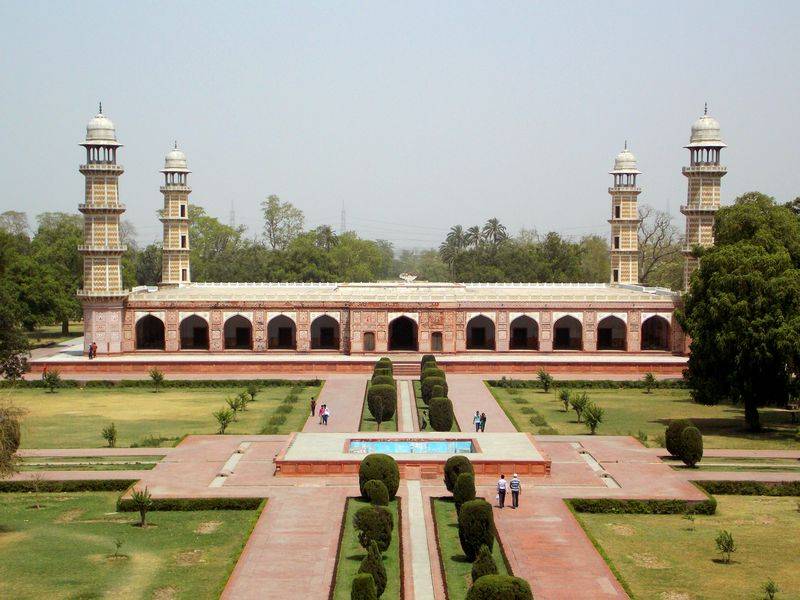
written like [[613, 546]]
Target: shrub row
[[193, 504], [643, 507], [169, 383], [751, 488], [381, 467], [584, 383], [68, 485]]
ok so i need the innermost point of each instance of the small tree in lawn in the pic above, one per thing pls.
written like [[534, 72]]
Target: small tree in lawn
[[252, 390], [242, 399], [142, 501], [224, 417], [649, 383], [578, 403], [770, 589], [233, 406], [545, 379], [52, 380], [110, 435], [725, 545], [157, 377], [565, 396], [691, 448], [593, 415]]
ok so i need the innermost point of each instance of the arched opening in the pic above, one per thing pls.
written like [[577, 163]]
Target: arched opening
[[480, 333], [524, 334], [437, 344], [612, 334], [325, 333], [403, 334], [567, 334], [369, 341], [194, 333], [149, 333], [238, 333], [655, 333], [281, 333]]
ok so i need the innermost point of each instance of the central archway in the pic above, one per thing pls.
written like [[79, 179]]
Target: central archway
[[655, 333], [281, 333], [149, 333], [325, 333], [194, 333], [480, 333], [238, 333], [612, 334], [567, 334], [524, 334], [403, 334]]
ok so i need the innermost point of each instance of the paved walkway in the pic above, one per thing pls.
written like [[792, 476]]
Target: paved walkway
[[406, 406], [344, 395], [420, 554], [469, 393]]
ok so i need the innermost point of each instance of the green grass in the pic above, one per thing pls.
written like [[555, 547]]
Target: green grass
[[75, 417], [457, 569], [661, 556], [89, 463], [368, 422], [64, 549], [351, 554], [48, 335], [422, 408], [628, 411]]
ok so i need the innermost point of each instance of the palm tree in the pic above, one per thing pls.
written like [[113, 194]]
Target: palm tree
[[473, 237], [494, 232], [456, 238]]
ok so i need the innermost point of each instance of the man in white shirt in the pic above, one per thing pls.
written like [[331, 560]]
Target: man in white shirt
[[515, 485], [501, 491]]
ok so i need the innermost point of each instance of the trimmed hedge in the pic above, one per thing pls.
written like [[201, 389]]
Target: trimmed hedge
[[381, 373], [475, 527], [68, 485], [383, 380], [426, 358], [751, 488], [169, 383], [673, 436], [192, 504], [454, 466], [493, 587], [440, 414], [428, 385], [484, 564], [691, 450], [381, 467], [587, 383], [363, 587], [374, 524], [464, 490], [382, 397], [431, 372], [643, 507], [377, 493], [373, 564]]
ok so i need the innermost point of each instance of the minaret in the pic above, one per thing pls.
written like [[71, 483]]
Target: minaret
[[175, 217], [101, 248], [625, 219], [702, 203]]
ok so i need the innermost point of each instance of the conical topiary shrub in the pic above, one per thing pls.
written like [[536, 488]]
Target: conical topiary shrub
[[373, 564]]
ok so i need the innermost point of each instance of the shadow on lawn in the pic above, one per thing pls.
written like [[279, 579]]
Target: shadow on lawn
[[461, 558], [775, 425]]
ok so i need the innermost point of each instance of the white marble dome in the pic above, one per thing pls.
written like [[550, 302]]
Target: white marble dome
[[175, 160], [706, 132], [101, 130], [625, 161]]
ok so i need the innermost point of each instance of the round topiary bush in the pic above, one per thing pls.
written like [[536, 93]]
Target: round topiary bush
[[427, 358], [484, 564], [438, 392], [492, 587], [431, 372], [373, 524], [384, 363], [454, 466], [440, 414], [428, 385], [373, 564], [382, 372], [382, 402], [691, 447], [376, 492], [672, 436], [381, 467], [363, 587], [464, 490], [475, 527], [382, 380]]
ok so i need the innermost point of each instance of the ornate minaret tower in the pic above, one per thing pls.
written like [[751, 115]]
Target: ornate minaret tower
[[175, 217], [624, 219], [102, 251], [702, 203]]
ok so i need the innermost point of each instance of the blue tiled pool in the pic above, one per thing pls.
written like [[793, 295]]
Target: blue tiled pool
[[411, 447]]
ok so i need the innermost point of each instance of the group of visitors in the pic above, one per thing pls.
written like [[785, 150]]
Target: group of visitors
[[480, 421], [324, 411], [92, 350], [503, 486]]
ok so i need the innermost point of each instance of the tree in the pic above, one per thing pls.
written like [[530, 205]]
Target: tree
[[494, 233], [673, 435], [373, 524], [252, 390], [493, 587], [224, 417], [484, 564], [10, 437], [157, 377], [579, 402], [472, 237], [363, 587], [475, 527], [52, 380], [381, 467], [376, 492], [14, 223], [440, 413], [725, 545], [565, 397], [464, 490], [282, 222], [13, 343], [595, 259], [770, 588], [660, 249], [142, 501], [455, 466], [545, 379], [373, 564], [743, 309], [649, 381], [147, 265], [593, 415], [110, 435], [382, 402], [691, 448]]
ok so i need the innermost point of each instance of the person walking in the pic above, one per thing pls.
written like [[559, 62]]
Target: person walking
[[515, 485], [501, 491], [483, 422], [313, 406], [325, 415], [321, 412], [477, 421]]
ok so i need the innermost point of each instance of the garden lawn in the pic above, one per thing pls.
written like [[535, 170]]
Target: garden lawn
[[666, 556], [89, 463], [422, 408], [368, 423], [75, 417], [351, 554], [64, 549], [629, 411], [48, 335], [457, 569]]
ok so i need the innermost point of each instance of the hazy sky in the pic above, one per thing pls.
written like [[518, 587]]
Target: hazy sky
[[415, 115]]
